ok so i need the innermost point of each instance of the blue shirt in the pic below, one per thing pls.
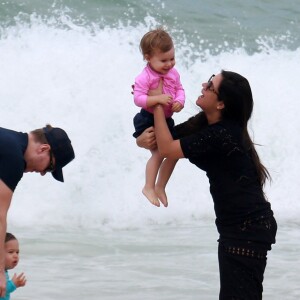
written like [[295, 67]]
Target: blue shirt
[[12, 164], [10, 287]]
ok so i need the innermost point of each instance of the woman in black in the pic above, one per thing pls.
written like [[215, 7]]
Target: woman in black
[[217, 141]]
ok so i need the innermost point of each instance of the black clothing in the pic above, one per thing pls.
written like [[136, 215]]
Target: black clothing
[[241, 275], [12, 164], [144, 120], [242, 212], [244, 218]]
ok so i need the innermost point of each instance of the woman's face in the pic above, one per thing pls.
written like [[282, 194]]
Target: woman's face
[[209, 101]]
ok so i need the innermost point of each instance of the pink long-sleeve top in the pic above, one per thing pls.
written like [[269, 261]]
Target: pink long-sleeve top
[[149, 79]]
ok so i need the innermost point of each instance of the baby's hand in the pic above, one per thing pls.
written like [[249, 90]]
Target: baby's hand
[[19, 280], [176, 107], [164, 99]]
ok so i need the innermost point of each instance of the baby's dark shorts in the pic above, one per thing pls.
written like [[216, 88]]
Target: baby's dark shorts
[[144, 120]]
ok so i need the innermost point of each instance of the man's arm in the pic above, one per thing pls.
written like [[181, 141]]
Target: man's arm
[[5, 199]]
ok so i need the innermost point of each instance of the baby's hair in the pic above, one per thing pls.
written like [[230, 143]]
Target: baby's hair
[[9, 237], [157, 39]]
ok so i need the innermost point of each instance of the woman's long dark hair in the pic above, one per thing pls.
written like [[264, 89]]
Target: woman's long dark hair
[[235, 92]]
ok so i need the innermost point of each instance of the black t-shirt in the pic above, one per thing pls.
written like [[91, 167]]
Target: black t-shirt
[[239, 200], [12, 164]]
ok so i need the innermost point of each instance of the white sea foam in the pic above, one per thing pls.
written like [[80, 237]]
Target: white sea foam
[[80, 79]]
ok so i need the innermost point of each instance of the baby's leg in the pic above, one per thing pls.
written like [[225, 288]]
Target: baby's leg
[[152, 168], [165, 172]]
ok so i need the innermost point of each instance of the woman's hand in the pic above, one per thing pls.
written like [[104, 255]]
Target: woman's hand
[[147, 139], [156, 96], [158, 90]]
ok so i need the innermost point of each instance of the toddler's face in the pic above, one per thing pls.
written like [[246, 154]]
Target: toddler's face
[[162, 62], [11, 254]]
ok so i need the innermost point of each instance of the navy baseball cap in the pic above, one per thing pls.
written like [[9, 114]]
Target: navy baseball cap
[[61, 148]]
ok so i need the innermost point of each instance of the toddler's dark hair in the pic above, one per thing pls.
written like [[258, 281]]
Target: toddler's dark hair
[[9, 237]]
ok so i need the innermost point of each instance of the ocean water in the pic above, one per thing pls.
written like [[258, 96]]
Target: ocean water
[[71, 64]]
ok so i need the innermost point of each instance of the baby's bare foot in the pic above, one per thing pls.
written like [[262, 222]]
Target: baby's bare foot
[[151, 196], [161, 194]]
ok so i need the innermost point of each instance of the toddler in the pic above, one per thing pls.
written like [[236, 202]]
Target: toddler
[[11, 260], [158, 51]]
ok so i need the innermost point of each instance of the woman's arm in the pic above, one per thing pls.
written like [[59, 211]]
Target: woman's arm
[[167, 146], [148, 139], [142, 95]]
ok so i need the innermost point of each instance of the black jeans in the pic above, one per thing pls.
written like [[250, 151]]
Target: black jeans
[[241, 272]]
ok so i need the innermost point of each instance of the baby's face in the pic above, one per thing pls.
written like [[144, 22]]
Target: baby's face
[[162, 62], [11, 254]]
